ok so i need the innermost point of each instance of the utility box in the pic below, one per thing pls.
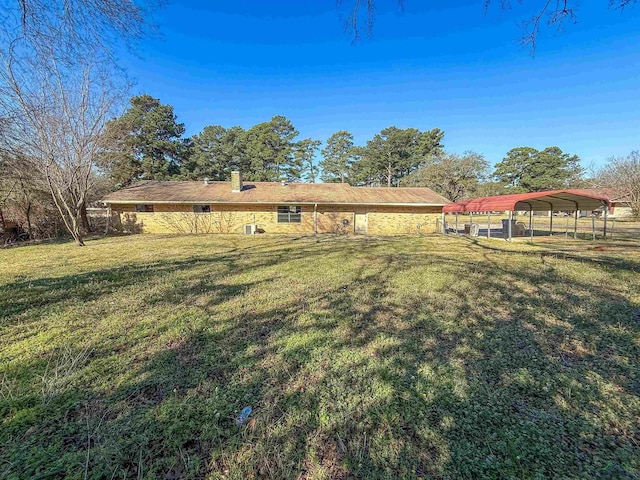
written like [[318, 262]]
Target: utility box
[[505, 227]]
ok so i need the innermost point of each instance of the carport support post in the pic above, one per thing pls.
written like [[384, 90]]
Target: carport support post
[[444, 225], [575, 224], [457, 231], [488, 224], [593, 226], [531, 224], [606, 209], [551, 223], [509, 226]]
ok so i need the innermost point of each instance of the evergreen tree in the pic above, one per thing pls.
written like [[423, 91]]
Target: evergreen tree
[[215, 152], [302, 166], [338, 157], [147, 143], [525, 169], [269, 148], [394, 153]]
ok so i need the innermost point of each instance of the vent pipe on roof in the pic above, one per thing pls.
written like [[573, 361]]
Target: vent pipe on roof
[[283, 183], [206, 181]]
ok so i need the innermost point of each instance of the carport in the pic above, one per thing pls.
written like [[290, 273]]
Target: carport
[[550, 201]]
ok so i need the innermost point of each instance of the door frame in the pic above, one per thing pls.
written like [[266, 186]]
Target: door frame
[[364, 213]]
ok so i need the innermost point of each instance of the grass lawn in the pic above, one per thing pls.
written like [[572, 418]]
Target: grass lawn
[[361, 358]]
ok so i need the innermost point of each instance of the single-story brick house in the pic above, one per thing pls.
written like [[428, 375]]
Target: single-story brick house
[[272, 207]]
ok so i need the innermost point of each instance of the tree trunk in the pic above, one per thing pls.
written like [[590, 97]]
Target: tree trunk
[[389, 176], [76, 233], [28, 215], [2, 222], [27, 208], [70, 216], [85, 218]]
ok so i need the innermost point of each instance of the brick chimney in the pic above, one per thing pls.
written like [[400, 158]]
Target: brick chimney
[[236, 181]]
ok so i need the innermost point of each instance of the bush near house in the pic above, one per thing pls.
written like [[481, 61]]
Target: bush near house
[[360, 357]]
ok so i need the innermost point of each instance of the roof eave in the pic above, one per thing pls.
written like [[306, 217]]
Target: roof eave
[[208, 202]]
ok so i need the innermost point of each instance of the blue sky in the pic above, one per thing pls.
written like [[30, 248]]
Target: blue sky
[[446, 65]]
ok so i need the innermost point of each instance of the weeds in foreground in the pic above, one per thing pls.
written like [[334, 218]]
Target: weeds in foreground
[[61, 369]]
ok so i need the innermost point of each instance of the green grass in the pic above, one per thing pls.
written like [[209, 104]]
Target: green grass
[[361, 357]]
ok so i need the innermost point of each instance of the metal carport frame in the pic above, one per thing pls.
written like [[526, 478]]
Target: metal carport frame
[[549, 201]]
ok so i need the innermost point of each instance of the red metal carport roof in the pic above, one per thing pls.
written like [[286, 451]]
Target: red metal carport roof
[[536, 201]]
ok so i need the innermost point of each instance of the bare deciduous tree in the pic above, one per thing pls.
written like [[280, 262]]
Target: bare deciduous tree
[[59, 83], [456, 177], [623, 175], [58, 119]]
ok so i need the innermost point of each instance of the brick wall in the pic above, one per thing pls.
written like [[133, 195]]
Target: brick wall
[[402, 220], [180, 218]]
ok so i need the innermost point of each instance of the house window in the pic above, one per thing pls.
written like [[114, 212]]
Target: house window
[[289, 214], [144, 208], [202, 209]]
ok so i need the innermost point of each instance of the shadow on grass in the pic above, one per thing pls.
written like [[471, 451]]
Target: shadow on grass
[[390, 372], [551, 249], [32, 295]]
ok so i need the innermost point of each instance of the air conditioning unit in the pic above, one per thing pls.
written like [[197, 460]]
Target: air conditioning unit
[[250, 229]]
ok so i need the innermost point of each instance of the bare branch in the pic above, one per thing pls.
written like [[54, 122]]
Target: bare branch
[[352, 22], [550, 13], [75, 26]]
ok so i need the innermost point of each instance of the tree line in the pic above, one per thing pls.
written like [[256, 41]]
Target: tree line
[[147, 142]]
